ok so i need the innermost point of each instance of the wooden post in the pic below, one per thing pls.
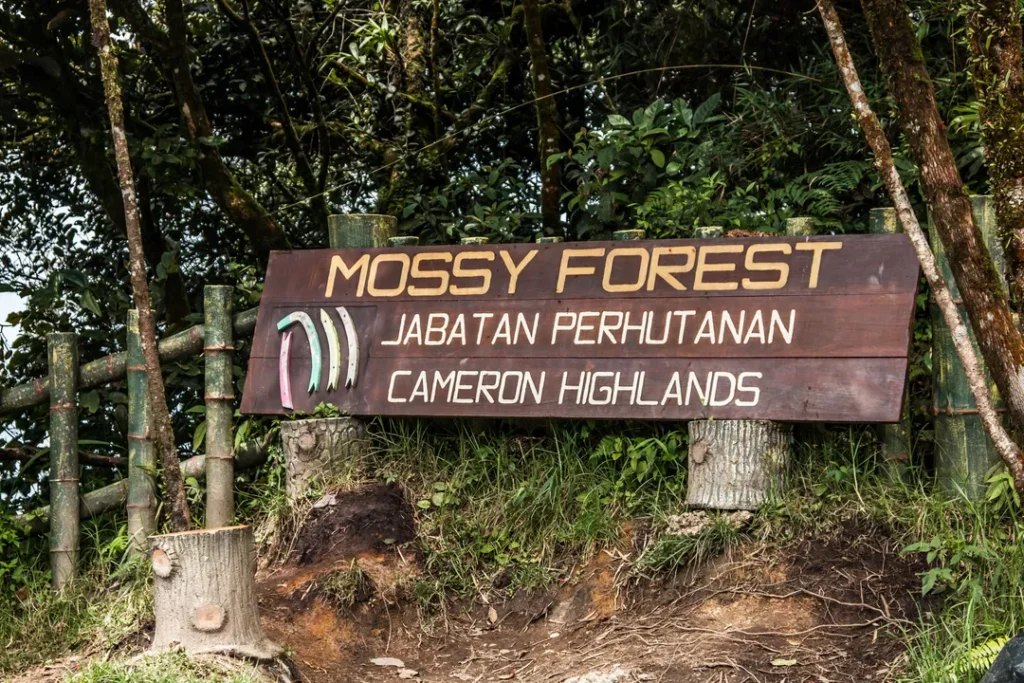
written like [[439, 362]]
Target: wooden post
[[218, 347], [734, 464], [404, 241], [895, 438], [204, 594], [64, 519], [963, 451], [548, 240], [142, 499], [474, 240], [358, 230], [318, 448]]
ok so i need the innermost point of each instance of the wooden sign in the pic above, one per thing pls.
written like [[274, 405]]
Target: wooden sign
[[789, 329]]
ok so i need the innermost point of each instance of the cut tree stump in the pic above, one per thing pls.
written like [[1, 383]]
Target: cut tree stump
[[204, 593], [733, 464], [319, 450]]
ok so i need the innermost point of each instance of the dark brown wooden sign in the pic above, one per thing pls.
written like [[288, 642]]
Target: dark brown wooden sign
[[790, 329]]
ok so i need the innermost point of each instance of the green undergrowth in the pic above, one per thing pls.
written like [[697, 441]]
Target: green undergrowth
[[509, 507]]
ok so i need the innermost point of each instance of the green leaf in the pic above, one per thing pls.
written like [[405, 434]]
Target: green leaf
[[423, 504], [658, 157], [90, 400], [438, 498], [618, 121], [89, 303], [199, 435]]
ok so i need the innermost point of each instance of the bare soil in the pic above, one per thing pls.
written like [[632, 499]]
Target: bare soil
[[814, 611]]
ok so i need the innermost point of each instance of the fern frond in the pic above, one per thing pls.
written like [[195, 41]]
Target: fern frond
[[979, 659]]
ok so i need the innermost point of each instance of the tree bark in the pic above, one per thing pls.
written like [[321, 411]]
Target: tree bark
[[204, 594], [547, 120], [161, 420], [142, 493], [959, 234], [994, 32], [319, 451], [262, 231], [735, 464]]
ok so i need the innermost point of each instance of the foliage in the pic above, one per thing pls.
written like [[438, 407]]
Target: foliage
[[173, 667]]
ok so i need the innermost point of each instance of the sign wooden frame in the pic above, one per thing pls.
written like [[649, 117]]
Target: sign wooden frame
[[788, 329]]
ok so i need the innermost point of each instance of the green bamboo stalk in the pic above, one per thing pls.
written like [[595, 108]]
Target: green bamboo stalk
[[112, 367], [220, 407], [964, 453], [360, 230], [470, 241], [404, 241], [65, 522], [548, 240], [114, 496], [142, 498], [895, 438], [628, 235]]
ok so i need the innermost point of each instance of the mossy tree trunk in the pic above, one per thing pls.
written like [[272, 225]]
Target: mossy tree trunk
[[64, 521], [161, 420], [980, 282], [995, 37]]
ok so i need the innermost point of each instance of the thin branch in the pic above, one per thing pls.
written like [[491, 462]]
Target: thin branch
[[27, 453]]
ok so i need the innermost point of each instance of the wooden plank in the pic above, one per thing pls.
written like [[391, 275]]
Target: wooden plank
[[723, 327], [792, 390], [861, 264]]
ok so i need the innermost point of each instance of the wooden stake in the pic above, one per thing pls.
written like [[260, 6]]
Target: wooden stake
[[963, 451], [355, 230], [220, 406], [64, 521], [895, 438], [142, 499]]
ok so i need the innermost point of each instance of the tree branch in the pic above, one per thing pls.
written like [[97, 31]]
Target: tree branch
[[26, 453], [875, 135], [547, 120]]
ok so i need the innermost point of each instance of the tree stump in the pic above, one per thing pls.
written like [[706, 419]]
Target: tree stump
[[204, 593], [733, 464], [319, 449]]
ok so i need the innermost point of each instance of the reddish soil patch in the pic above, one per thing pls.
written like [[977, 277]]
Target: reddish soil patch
[[823, 610]]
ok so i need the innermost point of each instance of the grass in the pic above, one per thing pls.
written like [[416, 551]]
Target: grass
[[514, 506], [172, 667]]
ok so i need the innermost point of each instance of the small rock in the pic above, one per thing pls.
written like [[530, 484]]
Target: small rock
[[388, 661], [329, 499], [408, 673], [1009, 665], [492, 615], [613, 675]]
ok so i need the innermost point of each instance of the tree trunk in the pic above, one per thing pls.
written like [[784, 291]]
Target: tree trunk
[[1008, 450], [994, 32], [204, 594], [161, 419], [979, 282], [320, 450], [734, 464], [547, 120]]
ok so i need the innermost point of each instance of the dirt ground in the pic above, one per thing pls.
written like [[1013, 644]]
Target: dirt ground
[[821, 611]]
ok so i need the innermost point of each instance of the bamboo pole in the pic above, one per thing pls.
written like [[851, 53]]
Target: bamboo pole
[[112, 367], [220, 407], [65, 522], [895, 438], [360, 230], [964, 453], [114, 496], [404, 241], [142, 498]]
